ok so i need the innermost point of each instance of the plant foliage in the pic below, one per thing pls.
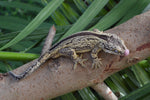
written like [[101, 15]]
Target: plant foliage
[[25, 24]]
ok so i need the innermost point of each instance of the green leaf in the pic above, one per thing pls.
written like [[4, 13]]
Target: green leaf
[[80, 5], [12, 23], [138, 94], [59, 19], [17, 56], [86, 17], [141, 74], [9, 65], [137, 9], [21, 5], [118, 80], [114, 15], [2, 67], [132, 77], [87, 94], [68, 96], [37, 34], [44, 14], [69, 12]]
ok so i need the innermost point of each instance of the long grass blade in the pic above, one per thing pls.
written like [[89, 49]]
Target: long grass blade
[[87, 16], [137, 9], [114, 15], [21, 5], [44, 14]]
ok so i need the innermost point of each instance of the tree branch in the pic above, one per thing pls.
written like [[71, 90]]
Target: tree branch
[[56, 77], [49, 39]]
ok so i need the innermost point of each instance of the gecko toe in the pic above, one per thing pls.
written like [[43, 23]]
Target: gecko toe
[[80, 61], [96, 63]]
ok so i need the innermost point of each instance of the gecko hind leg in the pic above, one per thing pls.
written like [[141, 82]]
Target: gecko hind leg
[[79, 60], [72, 54]]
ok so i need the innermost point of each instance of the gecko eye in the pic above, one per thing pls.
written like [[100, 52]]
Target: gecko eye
[[116, 51]]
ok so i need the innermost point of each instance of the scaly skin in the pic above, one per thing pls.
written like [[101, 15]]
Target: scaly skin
[[79, 43]]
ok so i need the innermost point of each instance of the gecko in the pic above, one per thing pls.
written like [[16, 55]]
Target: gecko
[[79, 43]]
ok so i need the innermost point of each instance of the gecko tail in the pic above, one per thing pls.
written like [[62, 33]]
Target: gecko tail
[[29, 70], [17, 77], [25, 73]]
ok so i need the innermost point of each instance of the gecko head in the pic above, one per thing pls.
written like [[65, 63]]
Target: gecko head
[[115, 45]]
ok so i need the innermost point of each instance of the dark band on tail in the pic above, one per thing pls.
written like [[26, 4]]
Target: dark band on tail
[[21, 76], [17, 77]]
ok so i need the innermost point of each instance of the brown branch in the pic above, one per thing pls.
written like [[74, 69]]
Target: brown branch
[[49, 39], [56, 77]]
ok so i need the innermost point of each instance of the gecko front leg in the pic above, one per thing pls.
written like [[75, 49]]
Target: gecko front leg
[[72, 54], [94, 54]]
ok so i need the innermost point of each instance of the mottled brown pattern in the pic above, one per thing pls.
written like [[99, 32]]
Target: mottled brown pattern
[[81, 42]]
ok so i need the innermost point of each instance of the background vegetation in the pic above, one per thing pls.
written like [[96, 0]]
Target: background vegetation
[[24, 25]]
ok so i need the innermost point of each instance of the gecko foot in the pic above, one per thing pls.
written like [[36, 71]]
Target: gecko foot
[[80, 61], [96, 63]]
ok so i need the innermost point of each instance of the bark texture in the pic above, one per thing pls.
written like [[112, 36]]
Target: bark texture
[[56, 77]]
